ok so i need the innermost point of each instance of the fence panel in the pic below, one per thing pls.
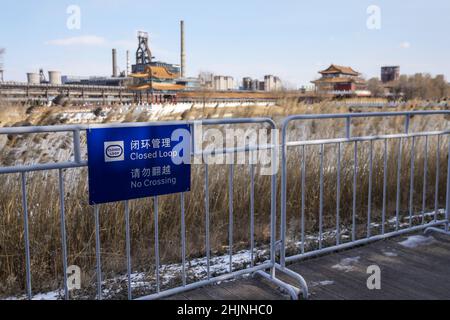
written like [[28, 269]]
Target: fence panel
[[77, 161], [349, 168]]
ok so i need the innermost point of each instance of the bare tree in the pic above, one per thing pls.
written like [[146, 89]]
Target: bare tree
[[375, 87], [422, 86]]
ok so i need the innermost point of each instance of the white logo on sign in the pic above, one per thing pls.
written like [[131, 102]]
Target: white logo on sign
[[114, 151]]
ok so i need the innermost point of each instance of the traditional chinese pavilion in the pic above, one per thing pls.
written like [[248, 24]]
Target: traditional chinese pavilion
[[339, 79]]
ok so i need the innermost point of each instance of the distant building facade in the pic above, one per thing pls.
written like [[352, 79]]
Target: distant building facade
[[339, 79], [270, 83], [390, 73], [223, 83], [247, 84], [93, 80]]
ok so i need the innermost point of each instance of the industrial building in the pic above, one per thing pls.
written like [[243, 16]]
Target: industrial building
[[146, 81], [2, 52], [390, 73], [54, 78], [270, 83], [94, 81], [155, 81]]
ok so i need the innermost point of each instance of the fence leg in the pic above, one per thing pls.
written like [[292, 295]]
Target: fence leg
[[292, 290]]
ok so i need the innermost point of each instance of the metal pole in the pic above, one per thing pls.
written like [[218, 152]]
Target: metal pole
[[252, 214], [383, 214], [76, 146], [447, 205], [303, 197], [338, 196], [321, 198], [425, 181], [355, 174], [63, 232], [128, 247], [183, 239], [273, 207], [369, 201], [207, 236], [436, 193], [411, 185], [230, 209], [26, 235], [399, 170], [155, 206], [283, 201], [97, 252]]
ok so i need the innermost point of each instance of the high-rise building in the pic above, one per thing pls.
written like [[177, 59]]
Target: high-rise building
[[390, 73], [247, 84], [223, 83], [272, 83]]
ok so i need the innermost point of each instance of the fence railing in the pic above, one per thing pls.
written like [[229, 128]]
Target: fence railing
[[368, 221], [197, 150], [375, 223]]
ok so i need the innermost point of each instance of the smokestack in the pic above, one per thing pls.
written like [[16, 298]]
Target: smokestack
[[128, 69], [183, 53], [114, 63]]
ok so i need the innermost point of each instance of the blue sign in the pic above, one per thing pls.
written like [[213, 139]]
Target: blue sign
[[138, 162]]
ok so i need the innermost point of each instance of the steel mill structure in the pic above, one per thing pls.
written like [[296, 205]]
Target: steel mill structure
[[147, 81]]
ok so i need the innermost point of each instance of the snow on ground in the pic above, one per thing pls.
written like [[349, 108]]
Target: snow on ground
[[390, 254], [321, 283], [417, 241], [196, 269], [346, 264], [53, 295]]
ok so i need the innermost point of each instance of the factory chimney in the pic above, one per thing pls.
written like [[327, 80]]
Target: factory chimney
[[128, 69], [2, 51], [114, 63], [183, 53]]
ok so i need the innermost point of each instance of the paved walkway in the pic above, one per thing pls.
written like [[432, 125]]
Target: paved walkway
[[412, 267]]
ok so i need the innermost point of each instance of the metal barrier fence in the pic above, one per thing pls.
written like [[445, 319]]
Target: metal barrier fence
[[349, 139], [78, 162], [272, 265]]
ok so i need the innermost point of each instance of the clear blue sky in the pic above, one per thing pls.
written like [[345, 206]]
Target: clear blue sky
[[289, 38]]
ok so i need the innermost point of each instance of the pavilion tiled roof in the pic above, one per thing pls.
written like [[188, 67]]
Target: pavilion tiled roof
[[340, 69], [339, 80]]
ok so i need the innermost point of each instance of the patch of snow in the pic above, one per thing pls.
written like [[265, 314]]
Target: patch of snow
[[50, 296], [346, 264], [390, 254], [321, 283], [417, 241]]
